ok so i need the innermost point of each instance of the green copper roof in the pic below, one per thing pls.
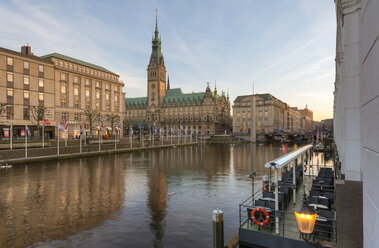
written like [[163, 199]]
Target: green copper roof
[[172, 96], [129, 102], [176, 95], [175, 91], [77, 61]]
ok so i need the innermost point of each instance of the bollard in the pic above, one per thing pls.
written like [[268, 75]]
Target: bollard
[[218, 228]]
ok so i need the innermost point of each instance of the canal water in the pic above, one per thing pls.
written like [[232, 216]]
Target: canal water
[[158, 198]]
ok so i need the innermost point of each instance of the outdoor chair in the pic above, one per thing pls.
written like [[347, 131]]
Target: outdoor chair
[[268, 194], [313, 200], [324, 202], [314, 193], [323, 228], [325, 213], [260, 203], [330, 196], [271, 205]]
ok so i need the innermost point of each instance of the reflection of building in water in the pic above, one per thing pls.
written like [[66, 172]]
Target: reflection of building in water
[[58, 201], [157, 204]]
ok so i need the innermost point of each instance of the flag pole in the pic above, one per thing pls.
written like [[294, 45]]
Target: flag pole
[[65, 144], [26, 142], [43, 134], [99, 140], [80, 143], [11, 136], [58, 142], [142, 137], [131, 137]]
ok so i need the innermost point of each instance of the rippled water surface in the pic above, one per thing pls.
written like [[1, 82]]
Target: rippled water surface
[[160, 198]]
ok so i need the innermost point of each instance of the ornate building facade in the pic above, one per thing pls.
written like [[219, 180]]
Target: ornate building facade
[[171, 109]]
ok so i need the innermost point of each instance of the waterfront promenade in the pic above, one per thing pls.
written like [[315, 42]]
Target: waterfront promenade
[[76, 148]]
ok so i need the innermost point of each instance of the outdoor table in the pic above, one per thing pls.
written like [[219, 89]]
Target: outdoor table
[[318, 206], [319, 196], [321, 218]]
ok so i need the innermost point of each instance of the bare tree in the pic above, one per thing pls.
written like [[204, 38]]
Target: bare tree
[[112, 119], [3, 108], [91, 116], [37, 113]]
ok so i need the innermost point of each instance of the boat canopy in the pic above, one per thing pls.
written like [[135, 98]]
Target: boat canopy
[[282, 161]]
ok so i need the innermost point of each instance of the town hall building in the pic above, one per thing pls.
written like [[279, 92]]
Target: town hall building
[[170, 109]]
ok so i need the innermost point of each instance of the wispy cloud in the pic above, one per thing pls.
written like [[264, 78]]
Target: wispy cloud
[[285, 48], [286, 56]]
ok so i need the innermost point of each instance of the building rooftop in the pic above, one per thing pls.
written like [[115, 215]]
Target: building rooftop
[[77, 61], [30, 56], [172, 95], [266, 96]]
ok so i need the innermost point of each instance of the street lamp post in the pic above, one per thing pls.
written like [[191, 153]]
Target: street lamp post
[[252, 175], [306, 219]]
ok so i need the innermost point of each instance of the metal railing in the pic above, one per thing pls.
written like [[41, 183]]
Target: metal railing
[[325, 228]]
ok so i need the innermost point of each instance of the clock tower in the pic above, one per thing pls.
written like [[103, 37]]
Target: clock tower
[[156, 73]]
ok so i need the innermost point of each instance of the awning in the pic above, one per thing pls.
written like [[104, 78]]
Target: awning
[[278, 163]]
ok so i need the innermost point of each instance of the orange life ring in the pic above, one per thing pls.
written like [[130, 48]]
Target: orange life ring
[[260, 220]]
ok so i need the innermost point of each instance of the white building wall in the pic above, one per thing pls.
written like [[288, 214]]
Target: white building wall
[[370, 120], [356, 109]]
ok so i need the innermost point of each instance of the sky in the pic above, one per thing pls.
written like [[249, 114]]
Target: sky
[[286, 47]]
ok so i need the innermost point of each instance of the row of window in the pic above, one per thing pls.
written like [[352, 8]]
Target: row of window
[[88, 93], [26, 64], [10, 93], [64, 116], [10, 113], [10, 78], [84, 70]]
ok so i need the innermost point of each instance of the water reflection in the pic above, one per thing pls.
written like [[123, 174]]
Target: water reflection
[[35, 206], [157, 197], [122, 200]]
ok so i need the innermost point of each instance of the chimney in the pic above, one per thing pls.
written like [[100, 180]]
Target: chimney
[[27, 50]]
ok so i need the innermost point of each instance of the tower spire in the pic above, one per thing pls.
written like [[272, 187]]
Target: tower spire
[[156, 24], [156, 42], [168, 82]]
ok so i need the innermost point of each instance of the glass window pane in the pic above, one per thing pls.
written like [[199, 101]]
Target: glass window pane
[[9, 92], [9, 77], [9, 61], [26, 80]]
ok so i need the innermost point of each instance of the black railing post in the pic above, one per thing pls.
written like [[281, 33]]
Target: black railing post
[[240, 213]]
